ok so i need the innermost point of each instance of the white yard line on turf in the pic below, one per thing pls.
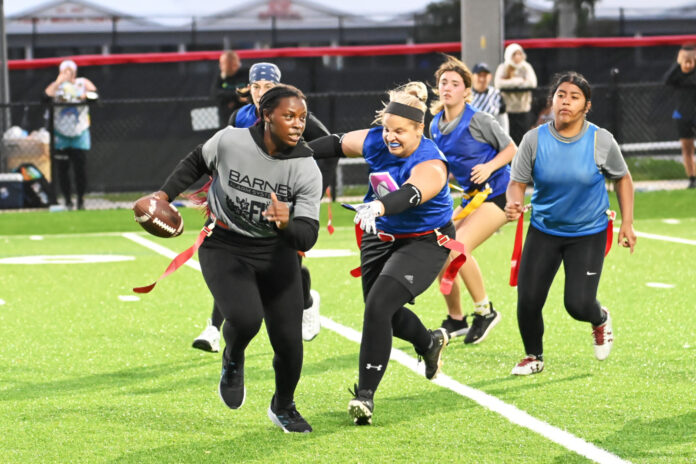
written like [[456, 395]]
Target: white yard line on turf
[[508, 411], [157, 248], [664, 238]]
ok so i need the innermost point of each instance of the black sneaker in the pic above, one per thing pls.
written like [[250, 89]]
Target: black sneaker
[[454, 327], [432, 357], [361, 406], [232, 390], [481, 326], [288, 418], [692, 183]]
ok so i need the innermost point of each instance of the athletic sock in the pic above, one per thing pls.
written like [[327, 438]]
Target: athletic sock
[[482, 307]]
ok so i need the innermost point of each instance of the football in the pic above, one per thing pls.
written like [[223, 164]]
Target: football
[[158, 217]]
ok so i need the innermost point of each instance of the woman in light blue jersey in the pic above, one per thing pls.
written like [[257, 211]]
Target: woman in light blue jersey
[[407, 208], [478, 151], [568, 160]]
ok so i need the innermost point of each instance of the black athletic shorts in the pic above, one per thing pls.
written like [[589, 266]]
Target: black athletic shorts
[[499, 201], [414, 262], [686, 126]]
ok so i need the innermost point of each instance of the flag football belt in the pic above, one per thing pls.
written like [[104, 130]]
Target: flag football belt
[[476, 198], [329, 224], [442, 240], [187, 254], [184, 256], [517, 248], [219, 223]]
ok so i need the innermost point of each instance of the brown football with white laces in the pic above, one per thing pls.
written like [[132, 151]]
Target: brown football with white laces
[[158, 217]]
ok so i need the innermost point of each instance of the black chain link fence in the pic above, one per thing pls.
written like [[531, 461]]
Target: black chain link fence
[[137, 142]]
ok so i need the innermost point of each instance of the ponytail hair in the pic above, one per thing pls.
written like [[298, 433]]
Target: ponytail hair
[[414, 94], [451, 64]]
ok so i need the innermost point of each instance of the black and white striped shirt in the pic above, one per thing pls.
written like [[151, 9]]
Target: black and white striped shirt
[[489, 101]]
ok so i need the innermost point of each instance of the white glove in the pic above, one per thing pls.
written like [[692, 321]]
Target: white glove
[[365, 215]]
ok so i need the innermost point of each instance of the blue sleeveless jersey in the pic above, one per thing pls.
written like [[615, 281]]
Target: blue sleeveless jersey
[[389, 173], [570, 198], [464, 152], [246, 116]]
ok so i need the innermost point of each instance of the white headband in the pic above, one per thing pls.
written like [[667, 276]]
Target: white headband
[[68, 64]]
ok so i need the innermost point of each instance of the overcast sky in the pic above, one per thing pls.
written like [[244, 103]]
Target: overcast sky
[[205, 7]]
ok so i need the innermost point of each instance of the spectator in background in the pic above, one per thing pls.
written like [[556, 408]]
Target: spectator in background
[[486, 97], [682, 77], [71, 128], [516, 73], [226, 84]]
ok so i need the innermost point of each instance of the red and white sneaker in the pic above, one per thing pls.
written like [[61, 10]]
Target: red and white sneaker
[[603, 336], [528, 366]]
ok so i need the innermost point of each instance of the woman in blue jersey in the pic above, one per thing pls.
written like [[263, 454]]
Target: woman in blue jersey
[[407, 207], [263, 77], [568, 160], [478, 151]]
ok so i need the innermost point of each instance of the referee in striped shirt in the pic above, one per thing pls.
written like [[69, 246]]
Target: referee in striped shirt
[[486, 97]]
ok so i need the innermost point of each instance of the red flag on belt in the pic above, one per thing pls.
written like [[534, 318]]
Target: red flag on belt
[[180, 259], [329, 225], [517, 251]]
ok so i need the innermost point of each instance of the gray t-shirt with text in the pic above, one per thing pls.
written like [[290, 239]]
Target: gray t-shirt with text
[[246, 176]]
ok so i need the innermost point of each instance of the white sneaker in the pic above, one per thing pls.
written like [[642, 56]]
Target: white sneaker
[[209, 339], [603, 338], [310, 318], [529, 365]]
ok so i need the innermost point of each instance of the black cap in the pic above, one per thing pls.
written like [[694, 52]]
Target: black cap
[[481, 67]]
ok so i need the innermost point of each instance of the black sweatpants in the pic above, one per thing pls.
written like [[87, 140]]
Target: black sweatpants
[[78, 159], [393, 274], [217, 319], [582, 259], [253, 280]]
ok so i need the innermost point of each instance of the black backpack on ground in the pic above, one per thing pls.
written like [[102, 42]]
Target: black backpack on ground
[[36, 187]]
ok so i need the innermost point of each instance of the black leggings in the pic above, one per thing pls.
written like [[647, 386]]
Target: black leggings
[[252, 285], [78, 158], [582, 259], [216, 316]]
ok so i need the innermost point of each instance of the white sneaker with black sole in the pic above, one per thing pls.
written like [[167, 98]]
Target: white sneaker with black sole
[[209, 339], [311, 323]]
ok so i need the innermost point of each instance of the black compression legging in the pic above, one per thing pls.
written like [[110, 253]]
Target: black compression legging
[[582, 259], [249, 287], [384, 312], [78, 158], [216, 316]]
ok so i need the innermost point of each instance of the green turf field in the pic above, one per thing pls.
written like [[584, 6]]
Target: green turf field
[[89, 377]]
